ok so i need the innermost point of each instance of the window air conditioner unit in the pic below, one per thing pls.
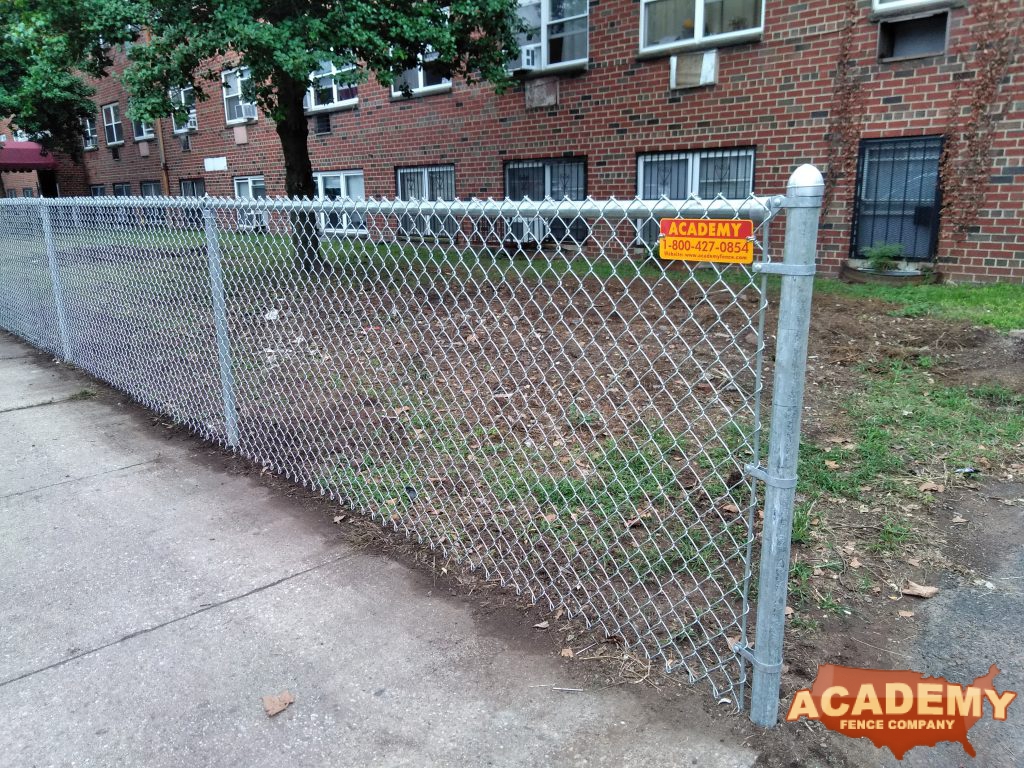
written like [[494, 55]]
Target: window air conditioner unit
[[693, 70], [246, 112], [529, 59], [193, 122]]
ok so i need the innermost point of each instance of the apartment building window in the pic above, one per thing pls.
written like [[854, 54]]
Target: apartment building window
[[898, 197], [97, 190], [186, 98], [428, 183], [122, 190], [666, 24], [556, 35], [193, 188], [113, 131], [251, 187], [89, 138], [27, 192], [142, 130], [12, 193], [331, 186], [325, 90], [558, 179], [236, 108], [886, 6], [150, 189], [706, 174], [421, 80]]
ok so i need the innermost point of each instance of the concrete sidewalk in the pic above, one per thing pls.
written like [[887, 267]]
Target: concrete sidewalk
[[149, 600]]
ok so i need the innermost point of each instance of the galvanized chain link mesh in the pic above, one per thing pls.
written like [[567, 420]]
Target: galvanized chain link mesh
[[523, 386]]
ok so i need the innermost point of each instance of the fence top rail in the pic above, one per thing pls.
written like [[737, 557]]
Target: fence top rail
[[754, 207]]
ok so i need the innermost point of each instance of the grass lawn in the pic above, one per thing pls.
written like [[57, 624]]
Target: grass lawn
[[998, 305]]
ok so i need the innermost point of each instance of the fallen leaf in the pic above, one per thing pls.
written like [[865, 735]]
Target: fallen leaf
[[913, 561], [558, 615], [567, 653], [339, 518], [917, 590], [848, 547], [542, 625], [550, 518], [832, 464], [731, 508], [789, 610], [818, 572], [905, 614], [276, 704], [402, 409], [958, 519], [855, 563], [930, 486]]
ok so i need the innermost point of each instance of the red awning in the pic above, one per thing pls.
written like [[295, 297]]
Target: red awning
[[25, 156]]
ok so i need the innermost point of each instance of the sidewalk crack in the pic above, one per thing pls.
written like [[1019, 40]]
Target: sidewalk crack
[[203, 609]]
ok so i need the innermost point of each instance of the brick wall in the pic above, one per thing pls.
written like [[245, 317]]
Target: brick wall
[[775, 94]]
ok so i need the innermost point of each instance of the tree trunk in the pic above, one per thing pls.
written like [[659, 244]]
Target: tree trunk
[[293, 131]]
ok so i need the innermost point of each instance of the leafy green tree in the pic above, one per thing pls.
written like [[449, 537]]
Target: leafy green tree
[[45, 48], [280, 41]]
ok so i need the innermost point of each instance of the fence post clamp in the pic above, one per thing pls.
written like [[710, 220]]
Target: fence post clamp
[[773, 480], [746, 651], [778, 268]]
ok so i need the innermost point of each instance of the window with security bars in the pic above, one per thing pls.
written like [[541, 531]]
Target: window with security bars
[[558, 179], [250, 187], [432, 182], [898, 197], [331, 186], [708, 174]]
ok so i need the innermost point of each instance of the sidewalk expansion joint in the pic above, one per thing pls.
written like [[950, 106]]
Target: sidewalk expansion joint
[[70, 480], [203, 609], [69, 399]]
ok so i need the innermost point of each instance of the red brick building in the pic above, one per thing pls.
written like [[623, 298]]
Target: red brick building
[[914, 110]]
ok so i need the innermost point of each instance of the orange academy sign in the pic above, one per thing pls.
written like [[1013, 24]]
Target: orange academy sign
[[729, 241]]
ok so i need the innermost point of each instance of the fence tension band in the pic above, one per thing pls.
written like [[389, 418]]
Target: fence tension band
[[778, 268], [747, 652], [776, 482]]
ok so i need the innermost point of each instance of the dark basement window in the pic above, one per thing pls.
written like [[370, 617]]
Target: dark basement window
[[322, 124], [913, 38]]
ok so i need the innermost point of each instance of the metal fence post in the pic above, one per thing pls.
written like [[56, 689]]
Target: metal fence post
[[58, 290], [803, 207], [220, 323]]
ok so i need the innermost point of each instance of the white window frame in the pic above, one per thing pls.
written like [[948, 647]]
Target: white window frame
[[112, 122], [243, 76], [148, 131], [345, 176], [423, 224], [177, 96], [192, 181], [329, 69], [97, 190], [693, 159], [699, 39], [544, 42], [248, 220], [900, 6], [423, 90], [90, 139]]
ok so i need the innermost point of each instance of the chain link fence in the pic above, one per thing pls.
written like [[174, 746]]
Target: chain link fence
[[524, 386]]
